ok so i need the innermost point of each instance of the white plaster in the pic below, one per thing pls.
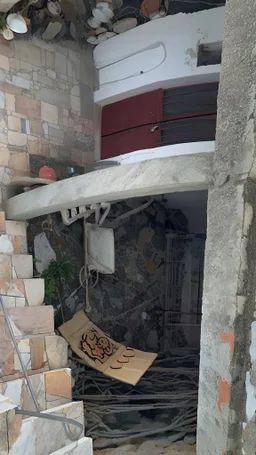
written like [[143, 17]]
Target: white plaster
[[141, 48], [152, 177], [165, 151], [250, 388]]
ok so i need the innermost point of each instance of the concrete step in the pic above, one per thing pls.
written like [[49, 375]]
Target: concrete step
[[81, 447], [36, 436], [39, 353], [52, 388], [16, 266], [22, 292]]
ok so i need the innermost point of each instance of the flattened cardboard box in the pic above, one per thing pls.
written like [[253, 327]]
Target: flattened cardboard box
[[95, 349]]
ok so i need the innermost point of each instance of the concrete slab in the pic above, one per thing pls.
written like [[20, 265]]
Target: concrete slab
[[159, 176]]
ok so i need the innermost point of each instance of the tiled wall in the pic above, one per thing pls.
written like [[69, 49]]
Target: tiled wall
[[41, 110]]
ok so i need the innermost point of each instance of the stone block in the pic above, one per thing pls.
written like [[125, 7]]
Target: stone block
[[60, 63], [28, 107], [2, 221], [58, 387], [56, 97], [26, 51], [81, 447], [33, 147], [22, 266], [18, 161], [49, 113], [9, 88], [75, 103], [5, 267], [54, 132], [50, 60], [56, 352], [3, 138], [18, 139], [16, 227], [2, 100], [21, 82], [14, 123], [34, 291], [41, 436], [4, 62], [36, 127], [9, 102], [28, 321], [5, 47]]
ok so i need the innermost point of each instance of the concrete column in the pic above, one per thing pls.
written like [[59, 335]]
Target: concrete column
[[228, 369]]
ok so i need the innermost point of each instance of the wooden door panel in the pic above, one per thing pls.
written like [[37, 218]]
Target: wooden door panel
[[129, 141], [132, 112]]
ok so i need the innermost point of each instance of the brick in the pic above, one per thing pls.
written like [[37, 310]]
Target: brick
[[28, 107], [18, 139], [49, 113], [14, 123], [9, 102], [4, 62]]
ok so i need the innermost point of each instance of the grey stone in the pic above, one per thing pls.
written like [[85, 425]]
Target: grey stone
[[25, 50], [45, 80], [87, 102], [56, 97], [55, 132], [60, 63], [2, 100]]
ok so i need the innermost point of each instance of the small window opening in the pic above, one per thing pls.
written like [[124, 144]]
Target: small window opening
[[209, 54]]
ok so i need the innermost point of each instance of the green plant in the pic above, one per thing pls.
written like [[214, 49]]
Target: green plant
[[57, 271]]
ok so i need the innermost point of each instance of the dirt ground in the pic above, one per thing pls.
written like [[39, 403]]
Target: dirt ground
[[152, 447]]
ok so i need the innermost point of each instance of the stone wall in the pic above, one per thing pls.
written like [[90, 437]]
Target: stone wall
[[46, 103]]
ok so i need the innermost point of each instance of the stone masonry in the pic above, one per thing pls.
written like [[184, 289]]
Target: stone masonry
[[227, 391], [46, 104]]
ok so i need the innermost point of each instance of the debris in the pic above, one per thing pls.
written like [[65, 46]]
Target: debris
[[124, 25], [100, 352]]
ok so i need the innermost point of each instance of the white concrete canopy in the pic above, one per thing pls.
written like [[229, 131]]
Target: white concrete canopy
[[157, 176]]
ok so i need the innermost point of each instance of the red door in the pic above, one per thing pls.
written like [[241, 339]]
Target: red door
[[161, 117], [132, 124]]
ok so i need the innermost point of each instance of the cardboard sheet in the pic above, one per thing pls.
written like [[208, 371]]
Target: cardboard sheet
[[95, 349]]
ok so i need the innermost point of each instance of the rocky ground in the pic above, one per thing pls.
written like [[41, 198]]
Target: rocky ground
[[152, 447]]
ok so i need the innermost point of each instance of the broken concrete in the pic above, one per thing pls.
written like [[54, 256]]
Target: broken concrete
[[230, 263]]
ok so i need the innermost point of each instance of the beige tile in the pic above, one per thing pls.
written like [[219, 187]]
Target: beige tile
[[5, 267], [23, 265], [14, 123], [56, 351], [37, 348], [30, 320], [16, 227], [58, 384], [34, 289], [49, 113], [10, 102], [2, 221], [18, 139]]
